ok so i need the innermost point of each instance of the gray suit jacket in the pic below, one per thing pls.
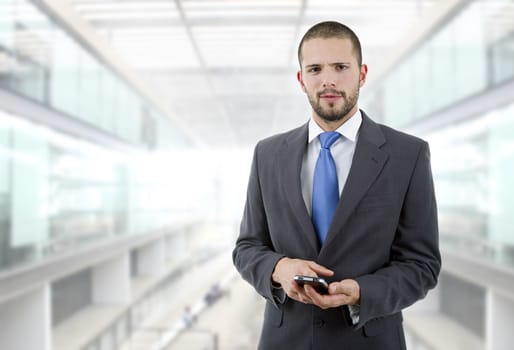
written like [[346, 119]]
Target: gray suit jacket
[[384, 234]]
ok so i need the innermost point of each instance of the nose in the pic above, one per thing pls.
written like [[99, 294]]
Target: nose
[[328, 79]]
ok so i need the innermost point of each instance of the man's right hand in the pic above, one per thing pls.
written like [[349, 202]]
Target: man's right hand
[[287, 268]]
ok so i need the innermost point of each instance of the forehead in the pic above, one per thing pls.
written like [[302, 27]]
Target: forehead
[[327, 50]]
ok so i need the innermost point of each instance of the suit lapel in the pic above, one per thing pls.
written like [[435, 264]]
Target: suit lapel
[[367, 164], [290, 163]]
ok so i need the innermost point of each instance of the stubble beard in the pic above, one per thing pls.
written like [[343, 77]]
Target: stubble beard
[[332, 114]]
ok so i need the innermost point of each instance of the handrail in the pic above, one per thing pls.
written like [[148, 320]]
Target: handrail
[[19, 280]]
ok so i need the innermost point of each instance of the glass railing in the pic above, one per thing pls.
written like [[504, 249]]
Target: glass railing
[[58, 192], [468, 54], [41, 60], [473, 164]]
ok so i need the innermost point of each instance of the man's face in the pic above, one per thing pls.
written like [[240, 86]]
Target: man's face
[[331, 77]]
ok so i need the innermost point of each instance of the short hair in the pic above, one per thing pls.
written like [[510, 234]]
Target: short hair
[[331, 29]]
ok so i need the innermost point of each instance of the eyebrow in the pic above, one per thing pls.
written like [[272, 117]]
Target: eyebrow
[[330, 64]]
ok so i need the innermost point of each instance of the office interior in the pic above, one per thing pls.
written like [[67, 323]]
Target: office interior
[[126, 135]]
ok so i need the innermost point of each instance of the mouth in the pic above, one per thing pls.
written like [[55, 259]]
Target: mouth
[[330, 97]]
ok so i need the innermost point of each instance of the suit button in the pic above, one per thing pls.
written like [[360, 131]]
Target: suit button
[[319, 323]]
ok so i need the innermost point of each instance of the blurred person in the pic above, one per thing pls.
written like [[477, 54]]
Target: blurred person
[[344, 198], [188, 317], [214, 293]]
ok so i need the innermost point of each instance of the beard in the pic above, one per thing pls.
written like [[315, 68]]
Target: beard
[[333, 114]]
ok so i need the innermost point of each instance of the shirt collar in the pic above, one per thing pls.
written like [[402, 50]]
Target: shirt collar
[[349, 129]]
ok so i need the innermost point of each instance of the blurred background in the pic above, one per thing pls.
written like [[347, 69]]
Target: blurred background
[[126, 135]]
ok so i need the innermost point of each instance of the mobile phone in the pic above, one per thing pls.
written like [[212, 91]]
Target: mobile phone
[[319, 284]]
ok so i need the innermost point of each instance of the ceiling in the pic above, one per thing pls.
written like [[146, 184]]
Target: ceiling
[[227, 68]]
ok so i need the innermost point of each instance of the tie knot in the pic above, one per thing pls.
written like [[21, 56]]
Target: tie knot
[[328, 138]]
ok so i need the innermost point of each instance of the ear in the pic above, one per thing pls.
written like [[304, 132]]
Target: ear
[[299, 78], [363, 74]]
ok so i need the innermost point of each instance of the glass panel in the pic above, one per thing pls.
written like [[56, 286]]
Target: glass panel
[[470, 66], [56, 191], [88, 88], [498, 29], [6, 24], [110, 87], [503, 58], [120, 114], [471, 52], [83, 197], [402, 100], [132, 123], [29, 187], [389, 101], [128, 117], [473, 167], [52, 195], [501, 169], [167, 135], [7, 59], [441, 48], [40, 60], [422, 72], [64, 76], [5, 190], [32, 47]]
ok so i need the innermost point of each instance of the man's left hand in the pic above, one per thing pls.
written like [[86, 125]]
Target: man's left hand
[[345, 292]]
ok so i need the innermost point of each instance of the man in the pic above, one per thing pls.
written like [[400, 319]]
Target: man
[[344, 198]]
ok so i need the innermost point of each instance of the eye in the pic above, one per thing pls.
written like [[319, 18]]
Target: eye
[[314, 69], [341, 67]]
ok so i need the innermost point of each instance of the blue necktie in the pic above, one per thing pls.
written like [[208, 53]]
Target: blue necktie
[[325, 191]]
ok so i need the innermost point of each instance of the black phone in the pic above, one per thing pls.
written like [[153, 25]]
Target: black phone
[[319, 284]]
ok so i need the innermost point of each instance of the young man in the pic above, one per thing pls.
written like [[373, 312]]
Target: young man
[[344, 198]]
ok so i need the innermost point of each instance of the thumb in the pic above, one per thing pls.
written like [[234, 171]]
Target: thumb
[[348, 287]]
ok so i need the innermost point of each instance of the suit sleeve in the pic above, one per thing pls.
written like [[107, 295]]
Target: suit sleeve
[[415, 257], [253, 255]]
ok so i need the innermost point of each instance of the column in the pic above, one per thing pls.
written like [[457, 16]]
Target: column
[[151, 259], [500, 317], [111, 281], [26, 321]]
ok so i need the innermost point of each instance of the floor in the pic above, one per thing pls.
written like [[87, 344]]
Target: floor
[[231, 322]]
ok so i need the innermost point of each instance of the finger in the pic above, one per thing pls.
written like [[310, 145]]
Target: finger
[[294, 294], [313, 295], [334, 288], [309, 290], [321, 303], [297, 293], [322, 270], [325, 301], [302, 297], [338, 288], [305, 299], [349, 289], [293, 291]]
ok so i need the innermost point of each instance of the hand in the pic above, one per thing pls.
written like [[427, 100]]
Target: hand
[[345, 292], [287, 268]]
